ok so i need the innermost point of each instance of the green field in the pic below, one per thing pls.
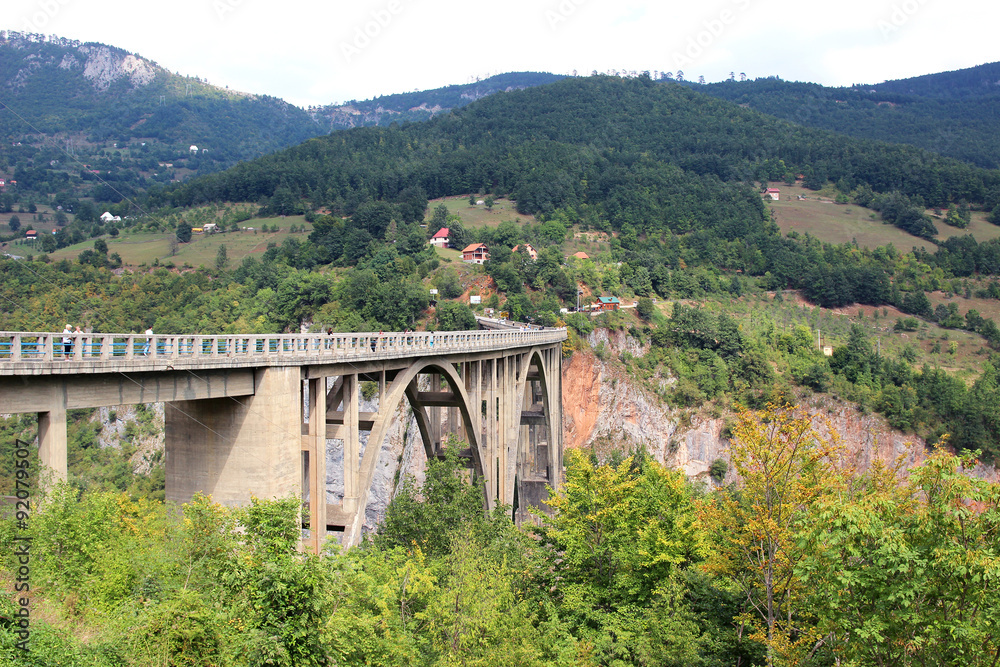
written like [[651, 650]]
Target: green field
[[138, 248], [479, 216], [834, 325], [449, 254], [835, 223]]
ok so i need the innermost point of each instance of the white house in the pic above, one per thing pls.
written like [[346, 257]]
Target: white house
[[211, 228], [773, 193], [107, 217], [193, 149], [440, 238]]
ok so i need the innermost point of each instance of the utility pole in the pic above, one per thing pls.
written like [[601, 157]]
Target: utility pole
[[819, 346]]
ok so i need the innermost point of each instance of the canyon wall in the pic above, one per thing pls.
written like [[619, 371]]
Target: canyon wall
[[605, 409]]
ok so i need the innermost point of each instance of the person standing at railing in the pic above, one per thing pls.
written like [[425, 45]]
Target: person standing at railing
[[149, 339], [67, 341]]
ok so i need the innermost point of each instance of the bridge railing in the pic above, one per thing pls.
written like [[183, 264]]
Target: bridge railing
[[91, 347]]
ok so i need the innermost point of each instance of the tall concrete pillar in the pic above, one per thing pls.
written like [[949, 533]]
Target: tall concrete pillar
[[490, 439], [352, 444], [317, 463], [234, 448], [555, 415], [52, 438], [434, 416], [473, 377]]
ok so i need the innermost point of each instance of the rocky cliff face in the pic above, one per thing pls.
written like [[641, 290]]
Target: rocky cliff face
[[604, 410], [104, 66], [100, 65]]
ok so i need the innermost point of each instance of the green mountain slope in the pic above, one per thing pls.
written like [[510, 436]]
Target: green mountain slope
[[952, 113], [623, 145], [92, 93]]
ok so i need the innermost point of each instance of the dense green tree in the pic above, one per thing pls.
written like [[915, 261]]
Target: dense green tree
[[183, 232], [455, 316]]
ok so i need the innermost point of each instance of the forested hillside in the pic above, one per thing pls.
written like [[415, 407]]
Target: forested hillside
[[561, 144], [89, 94], [952, 113]]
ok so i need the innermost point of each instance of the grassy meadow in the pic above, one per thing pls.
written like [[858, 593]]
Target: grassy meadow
[[837, 223], [479, 216], [146, 247]]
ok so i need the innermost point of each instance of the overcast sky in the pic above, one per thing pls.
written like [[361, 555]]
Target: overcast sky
[[321, 52]]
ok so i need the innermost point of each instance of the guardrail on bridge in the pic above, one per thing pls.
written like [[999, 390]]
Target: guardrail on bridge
[[46, 347]]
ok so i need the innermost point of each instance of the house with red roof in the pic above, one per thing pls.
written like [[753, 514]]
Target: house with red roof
[[440, 238], [773, 193]]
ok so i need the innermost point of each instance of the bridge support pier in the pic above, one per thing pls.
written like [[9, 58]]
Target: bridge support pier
[[52, 440], [232, 448]]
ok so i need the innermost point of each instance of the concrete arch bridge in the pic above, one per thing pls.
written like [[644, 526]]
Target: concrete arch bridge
[[255, 414]]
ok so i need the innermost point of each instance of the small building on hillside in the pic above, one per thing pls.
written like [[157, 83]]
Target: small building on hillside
[[31, 235], [581, 255], [211, 228], [607, 303], [107, 217], [773, 193], [440, 238], [477, 253], [532, 253]]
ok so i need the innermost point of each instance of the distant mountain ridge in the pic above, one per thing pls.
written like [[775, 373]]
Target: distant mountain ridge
[[101, 94], [956, 113], [422, 105], [979, 81]]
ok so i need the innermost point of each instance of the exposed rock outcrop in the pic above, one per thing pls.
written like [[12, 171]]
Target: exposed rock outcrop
[[604, 409], [105, 66], [101, 65]]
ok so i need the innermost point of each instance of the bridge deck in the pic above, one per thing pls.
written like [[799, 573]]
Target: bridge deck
[[45, 353]]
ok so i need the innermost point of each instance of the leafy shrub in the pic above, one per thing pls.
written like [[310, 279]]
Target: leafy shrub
[[718, 469]]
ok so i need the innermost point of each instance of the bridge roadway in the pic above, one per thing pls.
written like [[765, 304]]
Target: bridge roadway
[[238, 407]]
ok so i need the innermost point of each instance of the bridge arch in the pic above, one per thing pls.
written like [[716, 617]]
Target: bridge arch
[[405, 385], [541, 365]]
